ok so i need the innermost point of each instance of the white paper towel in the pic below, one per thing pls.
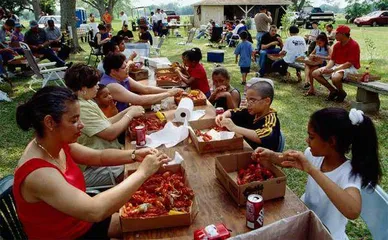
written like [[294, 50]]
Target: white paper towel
[[185, 111], [170, 136]]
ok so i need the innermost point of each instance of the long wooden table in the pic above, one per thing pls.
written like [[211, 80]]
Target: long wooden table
[[215, 204]]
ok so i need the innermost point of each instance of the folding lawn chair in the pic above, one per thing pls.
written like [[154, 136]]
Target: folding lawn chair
[[157, 45], [190, 37], [42, 71]]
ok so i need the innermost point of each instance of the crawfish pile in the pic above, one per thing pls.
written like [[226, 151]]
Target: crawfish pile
[[193, 95], [158, 195], [174, 79], [205, 136], [254, 172], [151, 123]]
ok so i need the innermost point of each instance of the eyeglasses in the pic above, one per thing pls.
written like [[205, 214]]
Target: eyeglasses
[[253, 100]]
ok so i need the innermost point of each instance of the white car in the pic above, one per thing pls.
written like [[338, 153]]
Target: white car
[[43, 21]]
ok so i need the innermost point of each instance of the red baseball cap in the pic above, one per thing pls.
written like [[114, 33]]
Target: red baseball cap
[[343, 29]]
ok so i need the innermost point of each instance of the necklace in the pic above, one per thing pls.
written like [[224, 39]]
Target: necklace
[[44, 149]]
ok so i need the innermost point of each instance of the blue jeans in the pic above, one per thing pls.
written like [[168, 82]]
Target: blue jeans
[[263, 58], [2, 70], [259, 35], [200, 34], [52, 56]]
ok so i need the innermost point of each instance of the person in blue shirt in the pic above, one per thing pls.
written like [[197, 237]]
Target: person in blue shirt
[[244, 50]]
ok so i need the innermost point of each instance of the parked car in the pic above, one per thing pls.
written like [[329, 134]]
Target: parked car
[[171, 15], [293, 17], [43, 21], [314, 14], [377, 18]]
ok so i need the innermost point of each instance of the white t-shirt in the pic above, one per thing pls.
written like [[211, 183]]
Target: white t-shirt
[[164, 18], [154, 18], [158, 16], [316, 199], [235, 30], [314, 34], [124, 19], [295, 46]]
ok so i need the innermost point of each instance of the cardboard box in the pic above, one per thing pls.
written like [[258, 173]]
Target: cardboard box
[[132, 134], [216, 56], [201, 101], [227, 167], [304, 226], [165, 83], [139, 224], [163, 71], [237, 142], [139, 75]]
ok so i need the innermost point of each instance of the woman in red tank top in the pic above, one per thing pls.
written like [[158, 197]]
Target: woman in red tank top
[[49, 188]]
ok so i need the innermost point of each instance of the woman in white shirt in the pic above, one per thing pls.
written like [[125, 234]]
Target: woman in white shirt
[[334, 181]]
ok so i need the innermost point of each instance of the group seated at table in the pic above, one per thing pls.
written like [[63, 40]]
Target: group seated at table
[[125, 90], [49, 188]]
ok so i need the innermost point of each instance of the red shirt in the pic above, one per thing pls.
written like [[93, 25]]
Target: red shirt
[[200, 82], [350, 52], [40, 220]]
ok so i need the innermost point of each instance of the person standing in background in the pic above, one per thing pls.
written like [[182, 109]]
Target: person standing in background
[[124, 18], [91, 18], [107, 18], [154, 21], [262, 20]]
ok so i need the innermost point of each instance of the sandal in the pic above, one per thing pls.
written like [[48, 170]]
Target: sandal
[[309, 94], [306, 86]]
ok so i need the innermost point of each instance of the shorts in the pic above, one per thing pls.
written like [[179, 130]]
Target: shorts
[[351, 70], [245, 69], [98, 230], [100, 176]]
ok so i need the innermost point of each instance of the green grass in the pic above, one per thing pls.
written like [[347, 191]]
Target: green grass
[[294, 109]]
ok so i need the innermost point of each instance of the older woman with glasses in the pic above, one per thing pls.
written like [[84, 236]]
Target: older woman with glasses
[[258, 123], [124, 89]]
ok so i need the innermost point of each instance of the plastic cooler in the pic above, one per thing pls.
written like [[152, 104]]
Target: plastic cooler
[[215, 56]]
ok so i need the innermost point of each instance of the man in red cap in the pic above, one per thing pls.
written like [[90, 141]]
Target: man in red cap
[[345, 59]]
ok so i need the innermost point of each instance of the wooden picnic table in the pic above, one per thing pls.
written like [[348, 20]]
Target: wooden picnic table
[[215, 204]]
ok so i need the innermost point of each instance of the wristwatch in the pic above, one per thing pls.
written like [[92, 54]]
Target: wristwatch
[[133, 155]]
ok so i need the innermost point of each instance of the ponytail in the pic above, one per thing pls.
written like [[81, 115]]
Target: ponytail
[[352, 131], [365, 158], [46, 101]]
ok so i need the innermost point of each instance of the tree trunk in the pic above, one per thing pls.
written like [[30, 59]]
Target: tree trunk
[[36, 6], [68, 19]]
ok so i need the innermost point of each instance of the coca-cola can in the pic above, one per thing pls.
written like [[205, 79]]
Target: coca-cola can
[[219, 110], [255, 211], [140, 135]]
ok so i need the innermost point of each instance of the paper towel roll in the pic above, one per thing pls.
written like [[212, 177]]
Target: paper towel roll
[[184, 110]]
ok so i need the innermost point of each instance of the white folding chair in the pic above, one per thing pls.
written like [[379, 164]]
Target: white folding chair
[[157, 45], [375, 211], [190, 37], [42, 71]]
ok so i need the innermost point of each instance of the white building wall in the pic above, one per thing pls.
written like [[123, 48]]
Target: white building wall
[[208, 12]]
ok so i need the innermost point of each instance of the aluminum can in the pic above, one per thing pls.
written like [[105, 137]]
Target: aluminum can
[[255, 211], [219, 110], [140, 135]]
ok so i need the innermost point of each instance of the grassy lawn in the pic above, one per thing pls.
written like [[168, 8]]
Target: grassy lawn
[[294, 109]]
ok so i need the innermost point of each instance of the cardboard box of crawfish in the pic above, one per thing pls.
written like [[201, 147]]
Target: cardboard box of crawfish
[[164, 200], [242, 176], [153, 122], [208, 137], [198, 97]]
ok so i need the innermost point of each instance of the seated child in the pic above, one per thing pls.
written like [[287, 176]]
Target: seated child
[[258, 123], [294, 47], [197, 78], [105, 101], [224, 95], [335, 181]]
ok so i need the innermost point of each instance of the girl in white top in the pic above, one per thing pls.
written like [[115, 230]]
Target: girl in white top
[[334, 182]]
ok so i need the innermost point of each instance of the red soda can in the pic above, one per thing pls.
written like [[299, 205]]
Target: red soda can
[[140, 135], [219, 110], [255, 211]]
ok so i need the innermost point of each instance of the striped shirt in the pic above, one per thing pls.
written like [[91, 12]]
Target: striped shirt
[[267, 127]]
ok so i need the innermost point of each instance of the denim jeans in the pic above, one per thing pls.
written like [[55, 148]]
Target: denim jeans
[[263, 58], [259, 35], [52, 56], [200, 34], [2, 70]]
